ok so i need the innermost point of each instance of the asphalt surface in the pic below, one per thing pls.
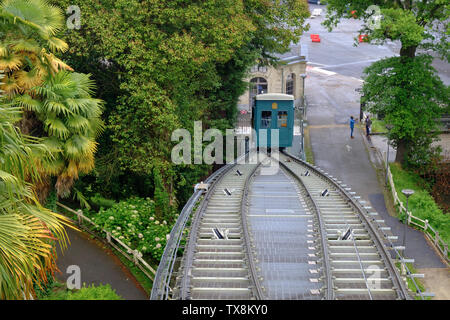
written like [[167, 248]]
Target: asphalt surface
[[341, 56], [333, 75], [98, 265]]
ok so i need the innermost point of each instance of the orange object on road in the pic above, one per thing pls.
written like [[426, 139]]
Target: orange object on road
[[363, 38], [315, 38], [353, 13]]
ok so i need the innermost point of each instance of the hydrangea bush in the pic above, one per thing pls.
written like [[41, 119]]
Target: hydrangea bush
[[134, 223]]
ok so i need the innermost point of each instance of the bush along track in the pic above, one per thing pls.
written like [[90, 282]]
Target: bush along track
[[421, 204]]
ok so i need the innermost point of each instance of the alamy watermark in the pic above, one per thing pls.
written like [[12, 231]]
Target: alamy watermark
[[74, 20]]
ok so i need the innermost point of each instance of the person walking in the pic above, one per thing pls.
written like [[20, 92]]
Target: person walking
[[352, 126], [368, 124]]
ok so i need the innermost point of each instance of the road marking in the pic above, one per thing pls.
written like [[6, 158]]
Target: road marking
[[319, 70], [349, 148]]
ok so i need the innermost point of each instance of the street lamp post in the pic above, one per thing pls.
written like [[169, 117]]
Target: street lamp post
[[303, 75], [407, 193], [389, 128]]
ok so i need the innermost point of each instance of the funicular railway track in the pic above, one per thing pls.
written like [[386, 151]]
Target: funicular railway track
[[354, 257], [358, 267]]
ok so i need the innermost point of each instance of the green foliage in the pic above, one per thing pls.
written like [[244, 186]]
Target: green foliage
[[99, 202], [26, 254], [415, 23], [92, 292], [162, 203], [135, 223], [411, 96], [421, 203], [160, 65]]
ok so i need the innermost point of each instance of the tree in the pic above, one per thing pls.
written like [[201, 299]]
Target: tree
[[416, 24], [411, 96], [57, 104], [164, 64], [27, 230], [71, 122]]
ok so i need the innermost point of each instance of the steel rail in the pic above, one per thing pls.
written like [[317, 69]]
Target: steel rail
[[250, 258], [399, 285], [189, 254], [323, 237], [161, 283]]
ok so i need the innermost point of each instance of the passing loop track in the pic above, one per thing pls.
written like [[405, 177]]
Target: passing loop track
[[358, 267]]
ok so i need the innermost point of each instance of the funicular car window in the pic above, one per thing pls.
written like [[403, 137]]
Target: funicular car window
[[282, 119], [266, 119]]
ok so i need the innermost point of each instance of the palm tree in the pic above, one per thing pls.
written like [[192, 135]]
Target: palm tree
[[57, 104], [71, 119], [27, 230], [28, 43]]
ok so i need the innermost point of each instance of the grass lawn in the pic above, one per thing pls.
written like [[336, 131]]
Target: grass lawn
[[421, 203], [378, 126]]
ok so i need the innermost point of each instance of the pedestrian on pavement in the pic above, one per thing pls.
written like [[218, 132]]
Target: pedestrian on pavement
[[352, 126], [368, 125]]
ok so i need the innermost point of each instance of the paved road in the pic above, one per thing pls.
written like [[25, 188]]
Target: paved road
[[332, 97], [98, 265], [344, 58]]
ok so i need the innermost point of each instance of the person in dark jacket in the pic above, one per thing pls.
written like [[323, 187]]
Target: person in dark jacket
[[368, 124]]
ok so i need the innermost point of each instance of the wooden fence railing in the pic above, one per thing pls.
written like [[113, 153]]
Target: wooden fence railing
[[133, 255], [432, 234]]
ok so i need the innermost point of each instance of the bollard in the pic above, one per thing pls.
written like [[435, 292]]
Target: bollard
[[426, 225], [108, 236], [436, 237]]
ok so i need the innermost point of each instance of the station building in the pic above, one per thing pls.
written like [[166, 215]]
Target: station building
[[288, 77]]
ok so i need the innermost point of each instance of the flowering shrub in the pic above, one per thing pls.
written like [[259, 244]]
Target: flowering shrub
[[134, 223]]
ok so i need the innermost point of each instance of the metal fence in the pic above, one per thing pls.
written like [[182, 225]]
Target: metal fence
[[133, 255], [429, 231]]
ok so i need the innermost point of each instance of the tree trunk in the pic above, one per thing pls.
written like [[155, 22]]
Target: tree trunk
[[409, 52], [401, 151]]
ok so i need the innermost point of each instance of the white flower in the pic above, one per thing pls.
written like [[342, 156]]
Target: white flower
[[118, 228], [167, 237], [129, 224], [164, 222], [135, 211], [151, 218], [157, 239], [140, 235], [111, 218], [144, 248], [121, 237], [156, 222], [158, 245]]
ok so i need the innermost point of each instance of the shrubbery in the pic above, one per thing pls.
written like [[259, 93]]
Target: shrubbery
[[421, 203], [101, 292], [134, 222]]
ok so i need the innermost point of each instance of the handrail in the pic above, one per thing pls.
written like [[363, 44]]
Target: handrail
[[136, 256], [400, 285], [439, 243]]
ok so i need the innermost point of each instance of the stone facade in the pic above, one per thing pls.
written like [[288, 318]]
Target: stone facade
[[286, 78]]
